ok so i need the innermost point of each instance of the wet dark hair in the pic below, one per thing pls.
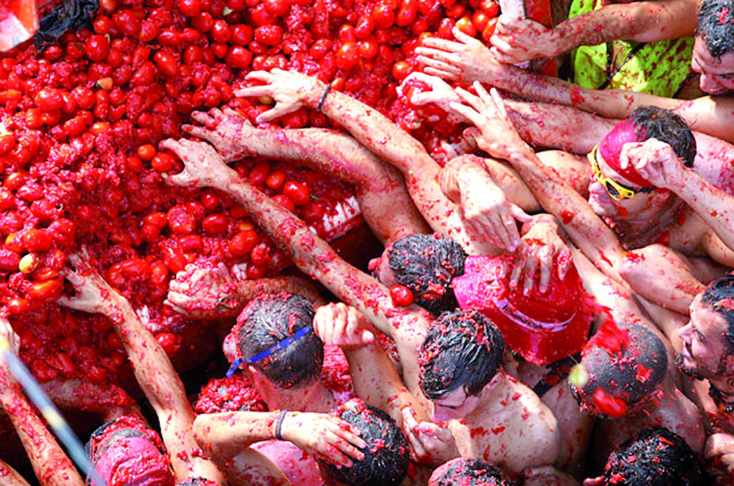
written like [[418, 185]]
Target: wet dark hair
[[426, 264], [716, 26], [667, 126], [197, 482], [270, 319], [719, 296], [629, 374], [468, 472], [387, 455], [655, 457], [462, 348]]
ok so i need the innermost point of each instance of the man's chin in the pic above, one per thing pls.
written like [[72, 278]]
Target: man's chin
[[687, 367]]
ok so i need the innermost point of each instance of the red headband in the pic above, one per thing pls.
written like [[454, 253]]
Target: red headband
[[611, 147]]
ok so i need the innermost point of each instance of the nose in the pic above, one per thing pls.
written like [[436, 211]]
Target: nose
[[710, 84], [684, 333]]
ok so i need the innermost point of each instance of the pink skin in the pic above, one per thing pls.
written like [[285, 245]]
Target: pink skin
[[50, 463], [704, 347], [407, 326], [379, 187], [11, 477], [106, 400], [153, 369], [454, 405], [717, 75]]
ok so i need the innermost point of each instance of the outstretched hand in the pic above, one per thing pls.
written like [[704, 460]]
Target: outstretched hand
[[466, 59], [519, 40], [542, 249], [231, 134], [495, 133], [204, 290], [429, 443], [93, 293], [440, 93], [655, 161], [324, 437], [287, 88], [203, 166], [341, 325]]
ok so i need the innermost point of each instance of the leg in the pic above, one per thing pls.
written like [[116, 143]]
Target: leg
[[662, 276]]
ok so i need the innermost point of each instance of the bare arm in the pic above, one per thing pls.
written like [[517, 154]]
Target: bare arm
[[153, 370], [380, 188], [224, 435], [516, 41], [11, 477], [50, 463], [107, 400], [381, 136], [407, 326], [467, 60]]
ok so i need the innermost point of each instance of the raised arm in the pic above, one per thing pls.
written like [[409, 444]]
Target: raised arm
[[381, 136], [50, 463], [468, 60], [516, 41], [313, 256], [11, 477], [376, 381], [498, 138], [153, 370], [379, 187]]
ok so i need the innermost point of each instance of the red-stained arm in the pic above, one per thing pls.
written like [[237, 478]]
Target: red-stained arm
[[379, 187], [313, 256], [153, 370], [11, 477]]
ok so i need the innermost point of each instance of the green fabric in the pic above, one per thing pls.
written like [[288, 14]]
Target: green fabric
[[658, 68]]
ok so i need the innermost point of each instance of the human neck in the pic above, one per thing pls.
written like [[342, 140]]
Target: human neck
[[492, 394], [314, 397], [635, 233]]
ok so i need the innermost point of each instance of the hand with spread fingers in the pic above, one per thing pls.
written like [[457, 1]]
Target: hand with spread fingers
[[204, 290], [542, 250], [285, 87], [466, 59], [495, 132], [203, 166], [323, 436], [93, 293], [519, 40], [231, 134], [429, 443], [344, 326], [655, 161], [440, 93]]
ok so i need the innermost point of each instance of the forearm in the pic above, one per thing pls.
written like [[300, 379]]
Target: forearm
[[11, 477], [165, 392], [50, 464], [224, 435], [713, 205], [458, 173], [105, 399]]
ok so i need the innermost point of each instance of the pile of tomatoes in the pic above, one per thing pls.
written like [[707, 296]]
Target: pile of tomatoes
[[80, 123]]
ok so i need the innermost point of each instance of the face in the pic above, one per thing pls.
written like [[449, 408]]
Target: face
[[705, 352], [640, 206], [717, 75], [456, 404], [380, 268]]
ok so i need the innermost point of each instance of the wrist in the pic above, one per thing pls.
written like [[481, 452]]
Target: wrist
[[278, 429], [312, 92]]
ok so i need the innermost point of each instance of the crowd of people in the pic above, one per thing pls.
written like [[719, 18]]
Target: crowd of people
[[537, 317]]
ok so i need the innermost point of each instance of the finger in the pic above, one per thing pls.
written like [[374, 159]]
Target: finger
[[464, 38], [74, 278], [513, 234], [546, 267], [500, 232], [262, 76], [68, 302], [254, 91], [467, 112], [270, 115], [531, 265], [441, 74], [203, 118], [438, 43], [182, 179], [500, 44], [517, 265], [499, 102], [437, 62], [198, 132], [474, 100], [519, 214], [503, 57], [424, 97]]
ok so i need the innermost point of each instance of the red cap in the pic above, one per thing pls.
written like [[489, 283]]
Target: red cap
[[542, 328], [611, 147]]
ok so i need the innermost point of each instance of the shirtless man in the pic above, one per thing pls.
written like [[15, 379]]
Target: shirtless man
[[162, 387], [624, 376], [638, 179], [462, 382], [708, 357], [468, 60], [282, 358], [408, 326]]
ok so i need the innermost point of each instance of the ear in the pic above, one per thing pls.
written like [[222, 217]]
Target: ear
[[256, 377]]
